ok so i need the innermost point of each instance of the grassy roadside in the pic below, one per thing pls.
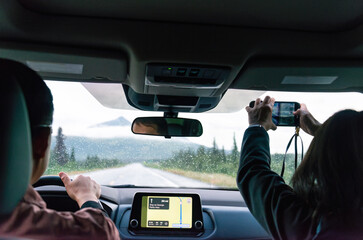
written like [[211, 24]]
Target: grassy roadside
[[75, 169], [217, 179]]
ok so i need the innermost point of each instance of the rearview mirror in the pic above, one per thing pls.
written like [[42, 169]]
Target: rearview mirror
[[168, 127]]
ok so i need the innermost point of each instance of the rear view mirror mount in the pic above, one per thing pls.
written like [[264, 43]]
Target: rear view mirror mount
[[167, 127]]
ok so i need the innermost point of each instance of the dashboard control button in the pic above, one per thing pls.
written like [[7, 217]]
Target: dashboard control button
[[134, 223], [194, 72], [167, 72], [181, 71], [198, 225]]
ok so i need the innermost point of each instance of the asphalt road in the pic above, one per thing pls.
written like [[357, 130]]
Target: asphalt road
[[139, 175]]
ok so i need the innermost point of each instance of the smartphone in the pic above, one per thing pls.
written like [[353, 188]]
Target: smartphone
[[282, 113]]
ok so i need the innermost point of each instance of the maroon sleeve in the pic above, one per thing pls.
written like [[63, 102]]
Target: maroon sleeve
[[31, 221]]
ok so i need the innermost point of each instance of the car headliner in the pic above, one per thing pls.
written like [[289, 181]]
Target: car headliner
[[327, 15], [115, 41]]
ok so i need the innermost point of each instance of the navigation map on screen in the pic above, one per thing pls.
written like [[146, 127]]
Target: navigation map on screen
[[166, 212]]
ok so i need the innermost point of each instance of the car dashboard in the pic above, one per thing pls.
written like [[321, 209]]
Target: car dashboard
[[225, 214]]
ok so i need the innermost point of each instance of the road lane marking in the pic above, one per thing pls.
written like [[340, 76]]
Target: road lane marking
[[158, 175]]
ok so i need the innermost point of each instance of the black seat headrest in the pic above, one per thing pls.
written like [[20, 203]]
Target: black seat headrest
[[15, 139]]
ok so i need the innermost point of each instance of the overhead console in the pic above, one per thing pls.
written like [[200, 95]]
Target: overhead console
[[184, 80], [169, 103]]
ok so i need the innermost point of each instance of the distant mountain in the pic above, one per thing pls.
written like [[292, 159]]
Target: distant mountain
[[126, 149], [121, 121]]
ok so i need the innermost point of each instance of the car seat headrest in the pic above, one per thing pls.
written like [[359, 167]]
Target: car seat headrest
[[15, 139]]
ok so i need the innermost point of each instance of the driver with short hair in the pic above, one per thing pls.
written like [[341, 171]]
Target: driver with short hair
[[31, 218]]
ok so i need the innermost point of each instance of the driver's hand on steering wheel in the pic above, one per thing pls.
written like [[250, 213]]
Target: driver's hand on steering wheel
[[81, 189]]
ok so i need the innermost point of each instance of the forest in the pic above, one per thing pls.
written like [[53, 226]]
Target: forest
[[63, 159], [214, 160], [218, 160]]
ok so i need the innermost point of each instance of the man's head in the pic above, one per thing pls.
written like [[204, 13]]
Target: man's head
[[39, 102], [150, 126]]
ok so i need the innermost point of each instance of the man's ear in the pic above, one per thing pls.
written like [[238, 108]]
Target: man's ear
[[41, 145], [40, 142]]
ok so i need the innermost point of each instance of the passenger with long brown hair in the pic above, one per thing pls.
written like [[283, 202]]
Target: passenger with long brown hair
[[326, 198]]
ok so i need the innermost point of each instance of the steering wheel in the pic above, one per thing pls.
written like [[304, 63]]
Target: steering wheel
[[49, 180], [57, 181]]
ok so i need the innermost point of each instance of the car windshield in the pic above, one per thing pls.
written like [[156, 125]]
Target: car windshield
[[92, 136]]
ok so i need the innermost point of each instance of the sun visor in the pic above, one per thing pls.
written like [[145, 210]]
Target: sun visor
[[71, 64], [301, 75]]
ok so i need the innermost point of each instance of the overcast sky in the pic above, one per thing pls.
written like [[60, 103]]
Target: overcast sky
[[76, 110]]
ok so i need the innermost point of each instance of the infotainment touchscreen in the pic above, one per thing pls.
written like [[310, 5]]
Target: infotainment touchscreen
[[166, 213]]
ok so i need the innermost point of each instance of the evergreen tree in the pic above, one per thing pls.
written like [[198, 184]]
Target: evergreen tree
[[201, 151], [216, 157], [92, 161], [224, 158], [215, 147], [235, 152], [200, 157], [60, 149], [52, 161], [73, 156]]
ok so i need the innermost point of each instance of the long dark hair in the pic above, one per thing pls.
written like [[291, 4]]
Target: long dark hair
[[330, 178]]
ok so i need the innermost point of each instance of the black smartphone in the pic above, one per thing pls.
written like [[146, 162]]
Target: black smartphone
[[282, 113]]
